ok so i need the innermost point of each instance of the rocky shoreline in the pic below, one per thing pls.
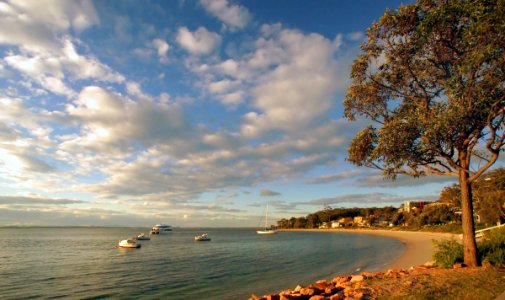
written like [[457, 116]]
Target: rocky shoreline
[[349, 287]]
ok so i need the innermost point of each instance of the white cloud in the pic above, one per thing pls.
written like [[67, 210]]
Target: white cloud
[[110, 122], [50, 69], [356, 36], [162, 48], [233, 15], [307, 74], [35, 25], [199, 42]]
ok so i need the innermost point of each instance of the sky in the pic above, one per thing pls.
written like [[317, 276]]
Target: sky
[[190, 113]]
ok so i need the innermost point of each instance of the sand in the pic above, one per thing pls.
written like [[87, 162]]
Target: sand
[[418, 245]]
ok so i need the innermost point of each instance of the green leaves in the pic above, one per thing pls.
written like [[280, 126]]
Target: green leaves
[[432, 76]]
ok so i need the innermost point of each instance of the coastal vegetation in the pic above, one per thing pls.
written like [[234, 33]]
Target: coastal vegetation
[[491, 250], [430, 77], [443, 215]]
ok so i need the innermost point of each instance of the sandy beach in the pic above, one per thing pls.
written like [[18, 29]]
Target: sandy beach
[[418, 245]]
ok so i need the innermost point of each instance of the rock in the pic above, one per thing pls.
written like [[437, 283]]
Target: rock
[[430, 264], [487, 264], [307, 292], [273, 297], [357, 278], [298, 288], [341, 279], [459, 266], [408, 283], [317, 297], [348, 291], [330, 290], [393, 273], [367, 275], [337, 297], [321, 285]]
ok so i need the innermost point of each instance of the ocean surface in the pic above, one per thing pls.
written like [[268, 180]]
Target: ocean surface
[[84, 263]]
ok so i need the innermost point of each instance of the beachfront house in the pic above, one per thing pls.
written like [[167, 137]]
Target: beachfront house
[[324, 225], [409, 206], [345, 222], [360, 221]]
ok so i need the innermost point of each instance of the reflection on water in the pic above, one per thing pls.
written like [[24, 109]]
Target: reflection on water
[[86, 262]]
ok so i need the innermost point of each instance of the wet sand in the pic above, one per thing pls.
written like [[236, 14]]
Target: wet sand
[[418, 245]]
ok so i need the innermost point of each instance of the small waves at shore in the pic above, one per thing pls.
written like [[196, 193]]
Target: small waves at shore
[[85, 262]]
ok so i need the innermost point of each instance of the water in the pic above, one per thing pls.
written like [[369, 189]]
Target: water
[[85, 263]]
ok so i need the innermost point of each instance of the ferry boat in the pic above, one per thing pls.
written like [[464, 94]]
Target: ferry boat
[[161, 229]]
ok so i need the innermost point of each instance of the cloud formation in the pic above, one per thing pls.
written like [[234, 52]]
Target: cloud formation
[[268, 193], [162, 48], [34, 27], [198, 42], [232, 15]]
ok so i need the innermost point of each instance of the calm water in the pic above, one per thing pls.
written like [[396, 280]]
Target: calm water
[[85, 262]]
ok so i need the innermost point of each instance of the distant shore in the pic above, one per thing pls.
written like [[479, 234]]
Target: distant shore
[[419, 247]]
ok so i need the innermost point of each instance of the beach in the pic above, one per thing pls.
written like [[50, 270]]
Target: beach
[[419, 247]]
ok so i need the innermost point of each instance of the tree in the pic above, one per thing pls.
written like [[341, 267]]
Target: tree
[[451, 195], [490, 196], [431, 78], [312, 221]]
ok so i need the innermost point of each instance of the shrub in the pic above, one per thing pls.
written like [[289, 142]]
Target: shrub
[[492, 247], [447, 253]]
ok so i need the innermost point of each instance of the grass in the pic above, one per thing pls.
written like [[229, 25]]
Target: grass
[[466, 283]]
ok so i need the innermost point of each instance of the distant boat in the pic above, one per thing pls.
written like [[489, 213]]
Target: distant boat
[[161, 229], [267, 230], [143, 237], [129, 243], [202, 238]]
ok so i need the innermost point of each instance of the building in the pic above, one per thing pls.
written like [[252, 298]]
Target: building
[[360, 221], [409, 206]]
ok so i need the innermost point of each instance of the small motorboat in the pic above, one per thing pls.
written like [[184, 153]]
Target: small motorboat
[[143, 237], [202, 238], [129, 243]]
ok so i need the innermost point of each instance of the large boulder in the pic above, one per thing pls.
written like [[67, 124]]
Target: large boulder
[[307, 292], [341, 279]]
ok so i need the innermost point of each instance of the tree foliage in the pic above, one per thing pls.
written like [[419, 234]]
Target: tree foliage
[[431, 76]]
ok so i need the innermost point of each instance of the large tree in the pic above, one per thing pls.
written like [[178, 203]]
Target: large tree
[[431, 77]]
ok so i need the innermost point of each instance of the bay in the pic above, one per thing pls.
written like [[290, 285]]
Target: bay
[[85, 263]]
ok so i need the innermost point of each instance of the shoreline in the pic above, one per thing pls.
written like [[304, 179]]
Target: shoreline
[[419, 248]]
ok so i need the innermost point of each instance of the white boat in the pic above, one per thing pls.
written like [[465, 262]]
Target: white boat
[[143, 237], [267, 230], [202, 238], [129, 243], [161, 229]]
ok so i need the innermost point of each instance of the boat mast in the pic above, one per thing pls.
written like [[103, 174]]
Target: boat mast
[[266, 217]]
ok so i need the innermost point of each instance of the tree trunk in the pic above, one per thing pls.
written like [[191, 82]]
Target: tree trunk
[[469, 244]]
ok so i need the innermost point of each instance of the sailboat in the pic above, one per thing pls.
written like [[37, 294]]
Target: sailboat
[[266, 230]]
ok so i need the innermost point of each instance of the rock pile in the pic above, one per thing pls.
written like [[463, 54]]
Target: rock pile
[[346, 287]]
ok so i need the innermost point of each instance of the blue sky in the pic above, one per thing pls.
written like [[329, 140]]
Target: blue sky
[[192, 113]]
